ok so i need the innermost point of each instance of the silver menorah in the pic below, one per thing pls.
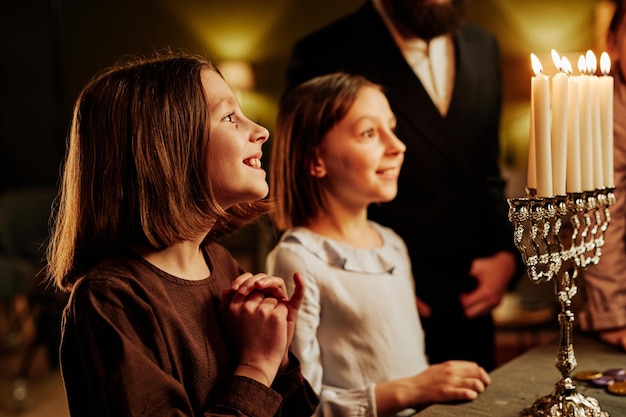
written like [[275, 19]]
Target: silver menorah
[[557, 236]]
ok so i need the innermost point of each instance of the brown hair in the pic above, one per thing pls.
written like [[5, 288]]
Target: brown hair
[[135, 170], [305, 115]]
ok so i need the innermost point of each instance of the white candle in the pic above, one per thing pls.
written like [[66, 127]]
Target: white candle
[[606, 106], [540, 87], [559, 127], [573, 181], [586, 144], [531, 178], [596, 132]]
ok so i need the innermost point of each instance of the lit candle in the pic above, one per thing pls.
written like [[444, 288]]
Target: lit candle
[[606, 106], [596, 132], [531, 179], [573, 182], [540, 107], [559, 127], [586, 145]]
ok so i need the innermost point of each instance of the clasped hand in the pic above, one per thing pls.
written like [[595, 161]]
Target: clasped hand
[[260, 321]]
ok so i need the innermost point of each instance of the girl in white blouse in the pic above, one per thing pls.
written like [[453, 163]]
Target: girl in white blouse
[[358, 333]]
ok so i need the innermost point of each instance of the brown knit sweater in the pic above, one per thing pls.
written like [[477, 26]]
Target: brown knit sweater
[[140, 342]]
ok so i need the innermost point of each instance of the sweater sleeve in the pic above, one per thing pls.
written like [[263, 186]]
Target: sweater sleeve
[[299, 397], [334, 401], [245, 397], [116, 362]]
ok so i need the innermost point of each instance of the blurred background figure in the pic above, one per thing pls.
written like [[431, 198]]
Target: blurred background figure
[[605, 283]]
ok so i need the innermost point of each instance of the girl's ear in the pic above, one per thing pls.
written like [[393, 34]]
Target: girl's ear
[[318, 170]]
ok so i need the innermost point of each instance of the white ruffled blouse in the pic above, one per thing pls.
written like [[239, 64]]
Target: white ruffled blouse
[[358, 325]]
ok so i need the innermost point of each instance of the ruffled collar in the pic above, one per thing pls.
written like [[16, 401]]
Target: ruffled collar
[[348, 258]]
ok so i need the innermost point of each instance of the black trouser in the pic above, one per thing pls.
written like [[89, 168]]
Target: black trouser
[[450, 335]]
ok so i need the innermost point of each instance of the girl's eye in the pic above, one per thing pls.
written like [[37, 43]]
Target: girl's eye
[[230, 118], [369, 133]]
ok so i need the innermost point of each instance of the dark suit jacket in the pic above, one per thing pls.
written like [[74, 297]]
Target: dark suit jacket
[[450, 206]]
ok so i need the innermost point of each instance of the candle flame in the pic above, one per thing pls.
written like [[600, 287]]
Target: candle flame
[[566, 66], [592, 62], [556, 59], [537, 67], [605, 63], [582, 64]]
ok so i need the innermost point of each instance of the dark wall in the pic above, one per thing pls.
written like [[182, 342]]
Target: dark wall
[[31, 93], [50, 49]]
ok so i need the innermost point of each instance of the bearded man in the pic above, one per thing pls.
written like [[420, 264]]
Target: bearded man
[[441, 75]]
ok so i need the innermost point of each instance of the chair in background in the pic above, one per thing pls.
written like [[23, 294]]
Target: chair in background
[[30, 311]]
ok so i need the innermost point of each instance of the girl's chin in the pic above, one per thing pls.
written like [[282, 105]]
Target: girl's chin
[[261, 193], [250, 196], [384, 199]]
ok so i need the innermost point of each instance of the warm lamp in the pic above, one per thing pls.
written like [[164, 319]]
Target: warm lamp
[[238, 74]]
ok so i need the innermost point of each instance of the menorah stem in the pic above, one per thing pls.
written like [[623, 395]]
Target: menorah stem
[[565, 289], [565, 401]]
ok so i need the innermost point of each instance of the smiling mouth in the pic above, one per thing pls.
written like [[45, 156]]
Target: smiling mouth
[[388, 171], [253, 162]]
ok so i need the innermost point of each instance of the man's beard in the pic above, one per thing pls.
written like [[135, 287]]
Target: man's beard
[[426, 19]]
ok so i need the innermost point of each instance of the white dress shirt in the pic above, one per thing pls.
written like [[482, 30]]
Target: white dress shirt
[[432, 62]]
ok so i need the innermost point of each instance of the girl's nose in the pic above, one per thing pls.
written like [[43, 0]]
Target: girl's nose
[[395, 145], [260, 133]]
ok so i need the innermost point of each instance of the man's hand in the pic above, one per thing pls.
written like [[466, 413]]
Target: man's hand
[[493, 275]]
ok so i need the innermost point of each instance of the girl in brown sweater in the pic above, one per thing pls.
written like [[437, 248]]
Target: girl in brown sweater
[[161, 322]]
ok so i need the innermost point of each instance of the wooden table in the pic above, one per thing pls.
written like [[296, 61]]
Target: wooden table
[[518, 383]]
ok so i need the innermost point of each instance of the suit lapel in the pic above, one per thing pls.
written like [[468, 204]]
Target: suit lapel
[[376, 56], [412, 103]]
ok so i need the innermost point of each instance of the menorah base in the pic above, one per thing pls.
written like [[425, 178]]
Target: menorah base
[[565, 401]]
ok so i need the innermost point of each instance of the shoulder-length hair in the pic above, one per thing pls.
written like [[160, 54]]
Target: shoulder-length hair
[[135, 171], [305, 116]]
